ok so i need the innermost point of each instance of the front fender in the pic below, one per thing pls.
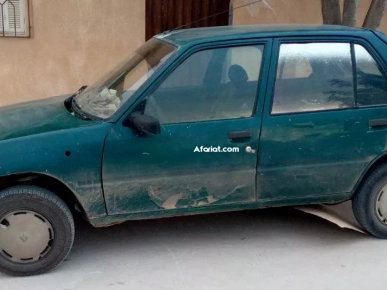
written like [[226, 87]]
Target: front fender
[[73, 156]]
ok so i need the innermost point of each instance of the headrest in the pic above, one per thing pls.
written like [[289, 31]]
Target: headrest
[[237, 74]]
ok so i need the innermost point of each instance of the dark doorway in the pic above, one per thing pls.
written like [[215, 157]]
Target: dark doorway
[[162, 15]]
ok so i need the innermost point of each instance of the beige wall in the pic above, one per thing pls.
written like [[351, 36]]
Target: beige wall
[[72, 43], [291, 11]]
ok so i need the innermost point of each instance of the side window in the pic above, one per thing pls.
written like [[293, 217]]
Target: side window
[[211, 84], [313, 77], [371, 82]]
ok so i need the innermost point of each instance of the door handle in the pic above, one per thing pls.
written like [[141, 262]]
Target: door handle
[[235, 135], [377, 123]]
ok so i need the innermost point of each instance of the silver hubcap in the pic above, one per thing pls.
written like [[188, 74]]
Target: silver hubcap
[[381, 205], [25, 236]]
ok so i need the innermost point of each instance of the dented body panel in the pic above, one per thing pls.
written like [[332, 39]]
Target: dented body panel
[[164, 172]]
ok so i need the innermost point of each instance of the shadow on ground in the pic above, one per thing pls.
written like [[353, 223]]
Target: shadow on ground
[[258, 225]]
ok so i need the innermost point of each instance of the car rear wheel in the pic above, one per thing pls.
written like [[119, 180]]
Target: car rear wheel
[[36, 230], [370, 203]]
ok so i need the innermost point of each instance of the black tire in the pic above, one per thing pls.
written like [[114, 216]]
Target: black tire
[[55, 211], [364, 203]]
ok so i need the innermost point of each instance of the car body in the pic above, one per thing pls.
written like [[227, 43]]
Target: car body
[[209, 120]]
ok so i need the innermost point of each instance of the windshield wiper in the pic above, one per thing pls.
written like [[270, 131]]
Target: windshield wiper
[[80, 90], [72, 106], [77, 110], [68, 102]]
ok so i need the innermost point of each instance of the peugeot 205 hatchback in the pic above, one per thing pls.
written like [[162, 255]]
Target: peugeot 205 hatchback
[[198, 121]]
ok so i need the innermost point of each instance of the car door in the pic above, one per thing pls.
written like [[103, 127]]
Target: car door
[[209, 106], [317, 135]]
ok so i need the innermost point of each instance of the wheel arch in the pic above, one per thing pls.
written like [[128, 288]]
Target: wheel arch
[[374, 164], [45, 181]]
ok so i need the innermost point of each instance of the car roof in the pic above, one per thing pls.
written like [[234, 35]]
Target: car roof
[[206, 34]]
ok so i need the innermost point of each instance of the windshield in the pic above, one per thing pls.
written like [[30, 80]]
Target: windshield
[[107, 95]]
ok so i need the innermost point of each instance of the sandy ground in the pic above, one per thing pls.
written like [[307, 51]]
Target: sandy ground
[[261, 249]]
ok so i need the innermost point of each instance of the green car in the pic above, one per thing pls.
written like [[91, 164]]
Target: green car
[[199, 121]]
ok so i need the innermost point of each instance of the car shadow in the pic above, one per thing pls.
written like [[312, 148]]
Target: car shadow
[[253, 225]]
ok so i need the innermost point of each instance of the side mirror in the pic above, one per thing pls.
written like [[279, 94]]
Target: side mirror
[[143, 124]]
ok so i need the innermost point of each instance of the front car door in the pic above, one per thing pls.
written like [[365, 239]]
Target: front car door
[[210, 101], [316, 133]]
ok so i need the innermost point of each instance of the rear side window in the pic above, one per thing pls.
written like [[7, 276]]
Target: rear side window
[[371, 81], [313, 77]]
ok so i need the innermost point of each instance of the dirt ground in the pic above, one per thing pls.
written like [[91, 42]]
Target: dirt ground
[[261, 249]]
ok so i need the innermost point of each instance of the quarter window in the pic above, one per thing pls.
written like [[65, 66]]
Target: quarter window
[[212, 84], [313, 77], [371, 82]]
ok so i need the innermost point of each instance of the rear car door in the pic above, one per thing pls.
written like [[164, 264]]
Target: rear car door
[[318, 132], [209, 106]]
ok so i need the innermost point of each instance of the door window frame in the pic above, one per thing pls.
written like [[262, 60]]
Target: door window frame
[[184, 54], [277, 42]]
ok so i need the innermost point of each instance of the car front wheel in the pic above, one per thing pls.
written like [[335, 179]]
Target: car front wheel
[[36, 230]]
